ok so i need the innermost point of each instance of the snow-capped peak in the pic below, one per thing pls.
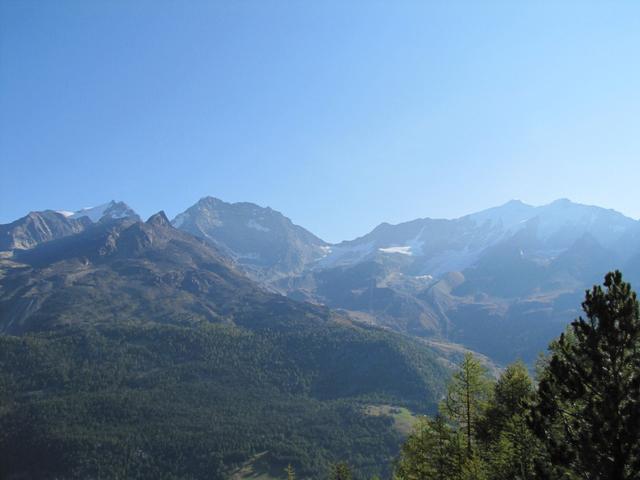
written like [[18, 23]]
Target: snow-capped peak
[[111, 210]]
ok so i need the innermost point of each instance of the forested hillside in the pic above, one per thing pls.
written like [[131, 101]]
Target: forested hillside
[[134, 350], [131, 401]]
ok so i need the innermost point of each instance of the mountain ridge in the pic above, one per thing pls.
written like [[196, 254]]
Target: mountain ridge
[[504, 258]]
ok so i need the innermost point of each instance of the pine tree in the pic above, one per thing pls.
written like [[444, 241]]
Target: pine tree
[[467, 396], [588, 411]]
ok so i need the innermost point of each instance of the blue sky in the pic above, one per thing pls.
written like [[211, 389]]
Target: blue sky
[[339, 114]]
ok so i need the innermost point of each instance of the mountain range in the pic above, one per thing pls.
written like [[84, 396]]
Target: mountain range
[[503, 281], [187, 325]]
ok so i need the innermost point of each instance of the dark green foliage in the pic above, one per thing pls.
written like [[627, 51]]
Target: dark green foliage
[[132, 401], [510, 446], [482, 433], [434, 450], [588, 411], [340, 471]]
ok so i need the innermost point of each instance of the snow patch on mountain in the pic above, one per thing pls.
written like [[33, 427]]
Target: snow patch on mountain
[[112, 209], [94, 213], [424, 277], [401, 250], [561, 218]]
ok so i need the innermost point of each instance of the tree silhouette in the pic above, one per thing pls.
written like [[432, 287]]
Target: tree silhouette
[[588, 411]]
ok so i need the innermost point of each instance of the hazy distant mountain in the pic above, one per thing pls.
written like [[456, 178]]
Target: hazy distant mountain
[[264, 242], [503, 281], [436, 246], [520, 273], [519, 270]]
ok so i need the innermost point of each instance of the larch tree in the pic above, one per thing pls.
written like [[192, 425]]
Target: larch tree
[[433, 450], [467, 396], [291, 474]]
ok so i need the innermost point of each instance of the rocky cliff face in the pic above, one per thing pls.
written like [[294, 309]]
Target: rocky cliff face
[[38, 227]]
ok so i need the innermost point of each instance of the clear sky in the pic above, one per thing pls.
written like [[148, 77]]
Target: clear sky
[[339, 114]]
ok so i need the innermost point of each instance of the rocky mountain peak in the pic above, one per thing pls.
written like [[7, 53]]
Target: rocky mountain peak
[[111, 210], [159, 220], [265, 243]]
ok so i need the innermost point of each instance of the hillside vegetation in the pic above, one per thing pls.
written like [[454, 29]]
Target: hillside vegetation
[[581, 421]]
